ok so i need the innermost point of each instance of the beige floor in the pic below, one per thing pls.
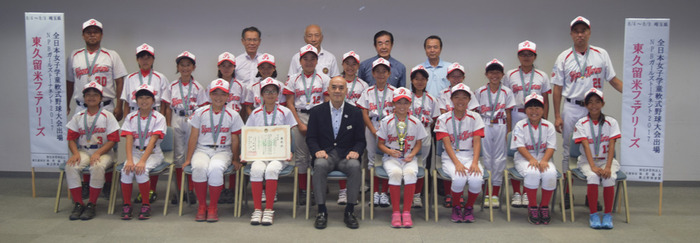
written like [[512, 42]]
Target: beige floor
[[27, 219]]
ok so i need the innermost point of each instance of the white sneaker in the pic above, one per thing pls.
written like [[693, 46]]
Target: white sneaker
[[487, 201], [267, 217], [375, 199], [256, 217], [525, 202], [517, 200], [384, 200], [264, 198], [343, 197], [417, 202], [494, 202]]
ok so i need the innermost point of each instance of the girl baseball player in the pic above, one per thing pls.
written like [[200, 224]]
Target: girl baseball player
[[212, 147], [270, 114], [375, 105], [145, 56], [304, 91], [186, 94], [91, 135], [460, 131], [535, 139], [266, 69], [400, 136], [351, 63], [496, 104], [144, 130], [523, 81], [597, 134], [227, 65], [423, 107]]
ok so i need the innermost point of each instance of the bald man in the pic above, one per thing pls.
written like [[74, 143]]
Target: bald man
[[326, 60]]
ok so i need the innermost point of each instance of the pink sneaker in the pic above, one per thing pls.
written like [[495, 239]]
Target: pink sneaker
[[456, 214], [468, 215], [396, 220], [407, 222]]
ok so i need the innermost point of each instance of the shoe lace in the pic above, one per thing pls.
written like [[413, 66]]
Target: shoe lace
[[534, 213], [545, 213], [145, 208]]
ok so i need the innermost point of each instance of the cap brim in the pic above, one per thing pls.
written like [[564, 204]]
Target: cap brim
[[221, 88], [580, 22], [397, 98], [222, 61], [271, 63], [528, 49]]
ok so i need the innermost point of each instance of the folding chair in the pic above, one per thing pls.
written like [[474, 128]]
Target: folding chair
[[335, 176], [62, 168], [621, 181], [439, 173], [167, 147], [510, 171], [379, 171]]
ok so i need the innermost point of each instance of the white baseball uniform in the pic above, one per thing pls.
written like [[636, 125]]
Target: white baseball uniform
[[246, 68], [104, 67], [106, 128], [445, 103], [140, 127], [523, 84], [236, 95], [388, 132], [253, 97], [426, 109], [378, 104], [213, 154], [536, 139], [308, 92], [281, 115], [493, 110], [355, 89], [155, 79], [568, 73], [326, 64], [195, 95], [465, 128], [587, 129]]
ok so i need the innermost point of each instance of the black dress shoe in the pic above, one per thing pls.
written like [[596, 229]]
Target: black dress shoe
[[321, 221], [351, 221]]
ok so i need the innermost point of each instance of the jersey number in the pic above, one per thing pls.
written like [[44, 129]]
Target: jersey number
[[317, 99], [596, 83], [101, 80], [223, 139]]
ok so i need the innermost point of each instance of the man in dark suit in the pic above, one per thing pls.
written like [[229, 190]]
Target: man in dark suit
[[336, 139]]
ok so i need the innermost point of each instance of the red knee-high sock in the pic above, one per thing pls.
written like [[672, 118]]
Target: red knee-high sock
[[232, 181], [190, 183], [302, 181], [343, 184], [257, 187], [154, 183], [86, 178], [408, 191], [447, 185], [546, 197], [496, 190], [178, 178], [94, 194], [143, 189], [270, 191], [455, 198], [126, 193], [531, 197], [592, 198], [108, 177], [200, 189], [77, 194], [419, 185], [214, 194], [376, 184], [608, 197], [516, 185], [471, 198], [395, 197], [385, 185]]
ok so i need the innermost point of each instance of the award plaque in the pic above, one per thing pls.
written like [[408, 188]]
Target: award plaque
[[266, 143]]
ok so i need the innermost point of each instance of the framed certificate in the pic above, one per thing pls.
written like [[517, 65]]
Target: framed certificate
[[266, 143]]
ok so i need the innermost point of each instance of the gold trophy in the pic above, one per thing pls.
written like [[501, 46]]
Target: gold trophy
[[401, 127]]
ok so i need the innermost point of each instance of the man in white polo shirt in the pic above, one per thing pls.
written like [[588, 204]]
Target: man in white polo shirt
[[247, 62], [326, 60]]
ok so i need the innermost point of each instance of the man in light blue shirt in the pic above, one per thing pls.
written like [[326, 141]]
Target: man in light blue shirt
[[436, 68], [383, 42]]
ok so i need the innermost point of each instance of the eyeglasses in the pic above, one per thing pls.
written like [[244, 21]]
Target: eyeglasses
[[269, 92]]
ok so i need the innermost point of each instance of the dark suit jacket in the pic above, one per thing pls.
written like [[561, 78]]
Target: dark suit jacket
[[351, 134]]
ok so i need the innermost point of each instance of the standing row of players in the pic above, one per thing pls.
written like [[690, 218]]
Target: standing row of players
[[571, 79]]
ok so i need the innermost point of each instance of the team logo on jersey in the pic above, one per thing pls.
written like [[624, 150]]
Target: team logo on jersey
[[325, 70]]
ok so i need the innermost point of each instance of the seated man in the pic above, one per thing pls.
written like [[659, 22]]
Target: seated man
[[336, 139]]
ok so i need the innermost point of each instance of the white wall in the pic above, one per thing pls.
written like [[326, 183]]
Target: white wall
[[473, 33]]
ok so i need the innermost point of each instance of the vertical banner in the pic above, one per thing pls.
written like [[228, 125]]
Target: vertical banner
[[644, 98], [46, 72]]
